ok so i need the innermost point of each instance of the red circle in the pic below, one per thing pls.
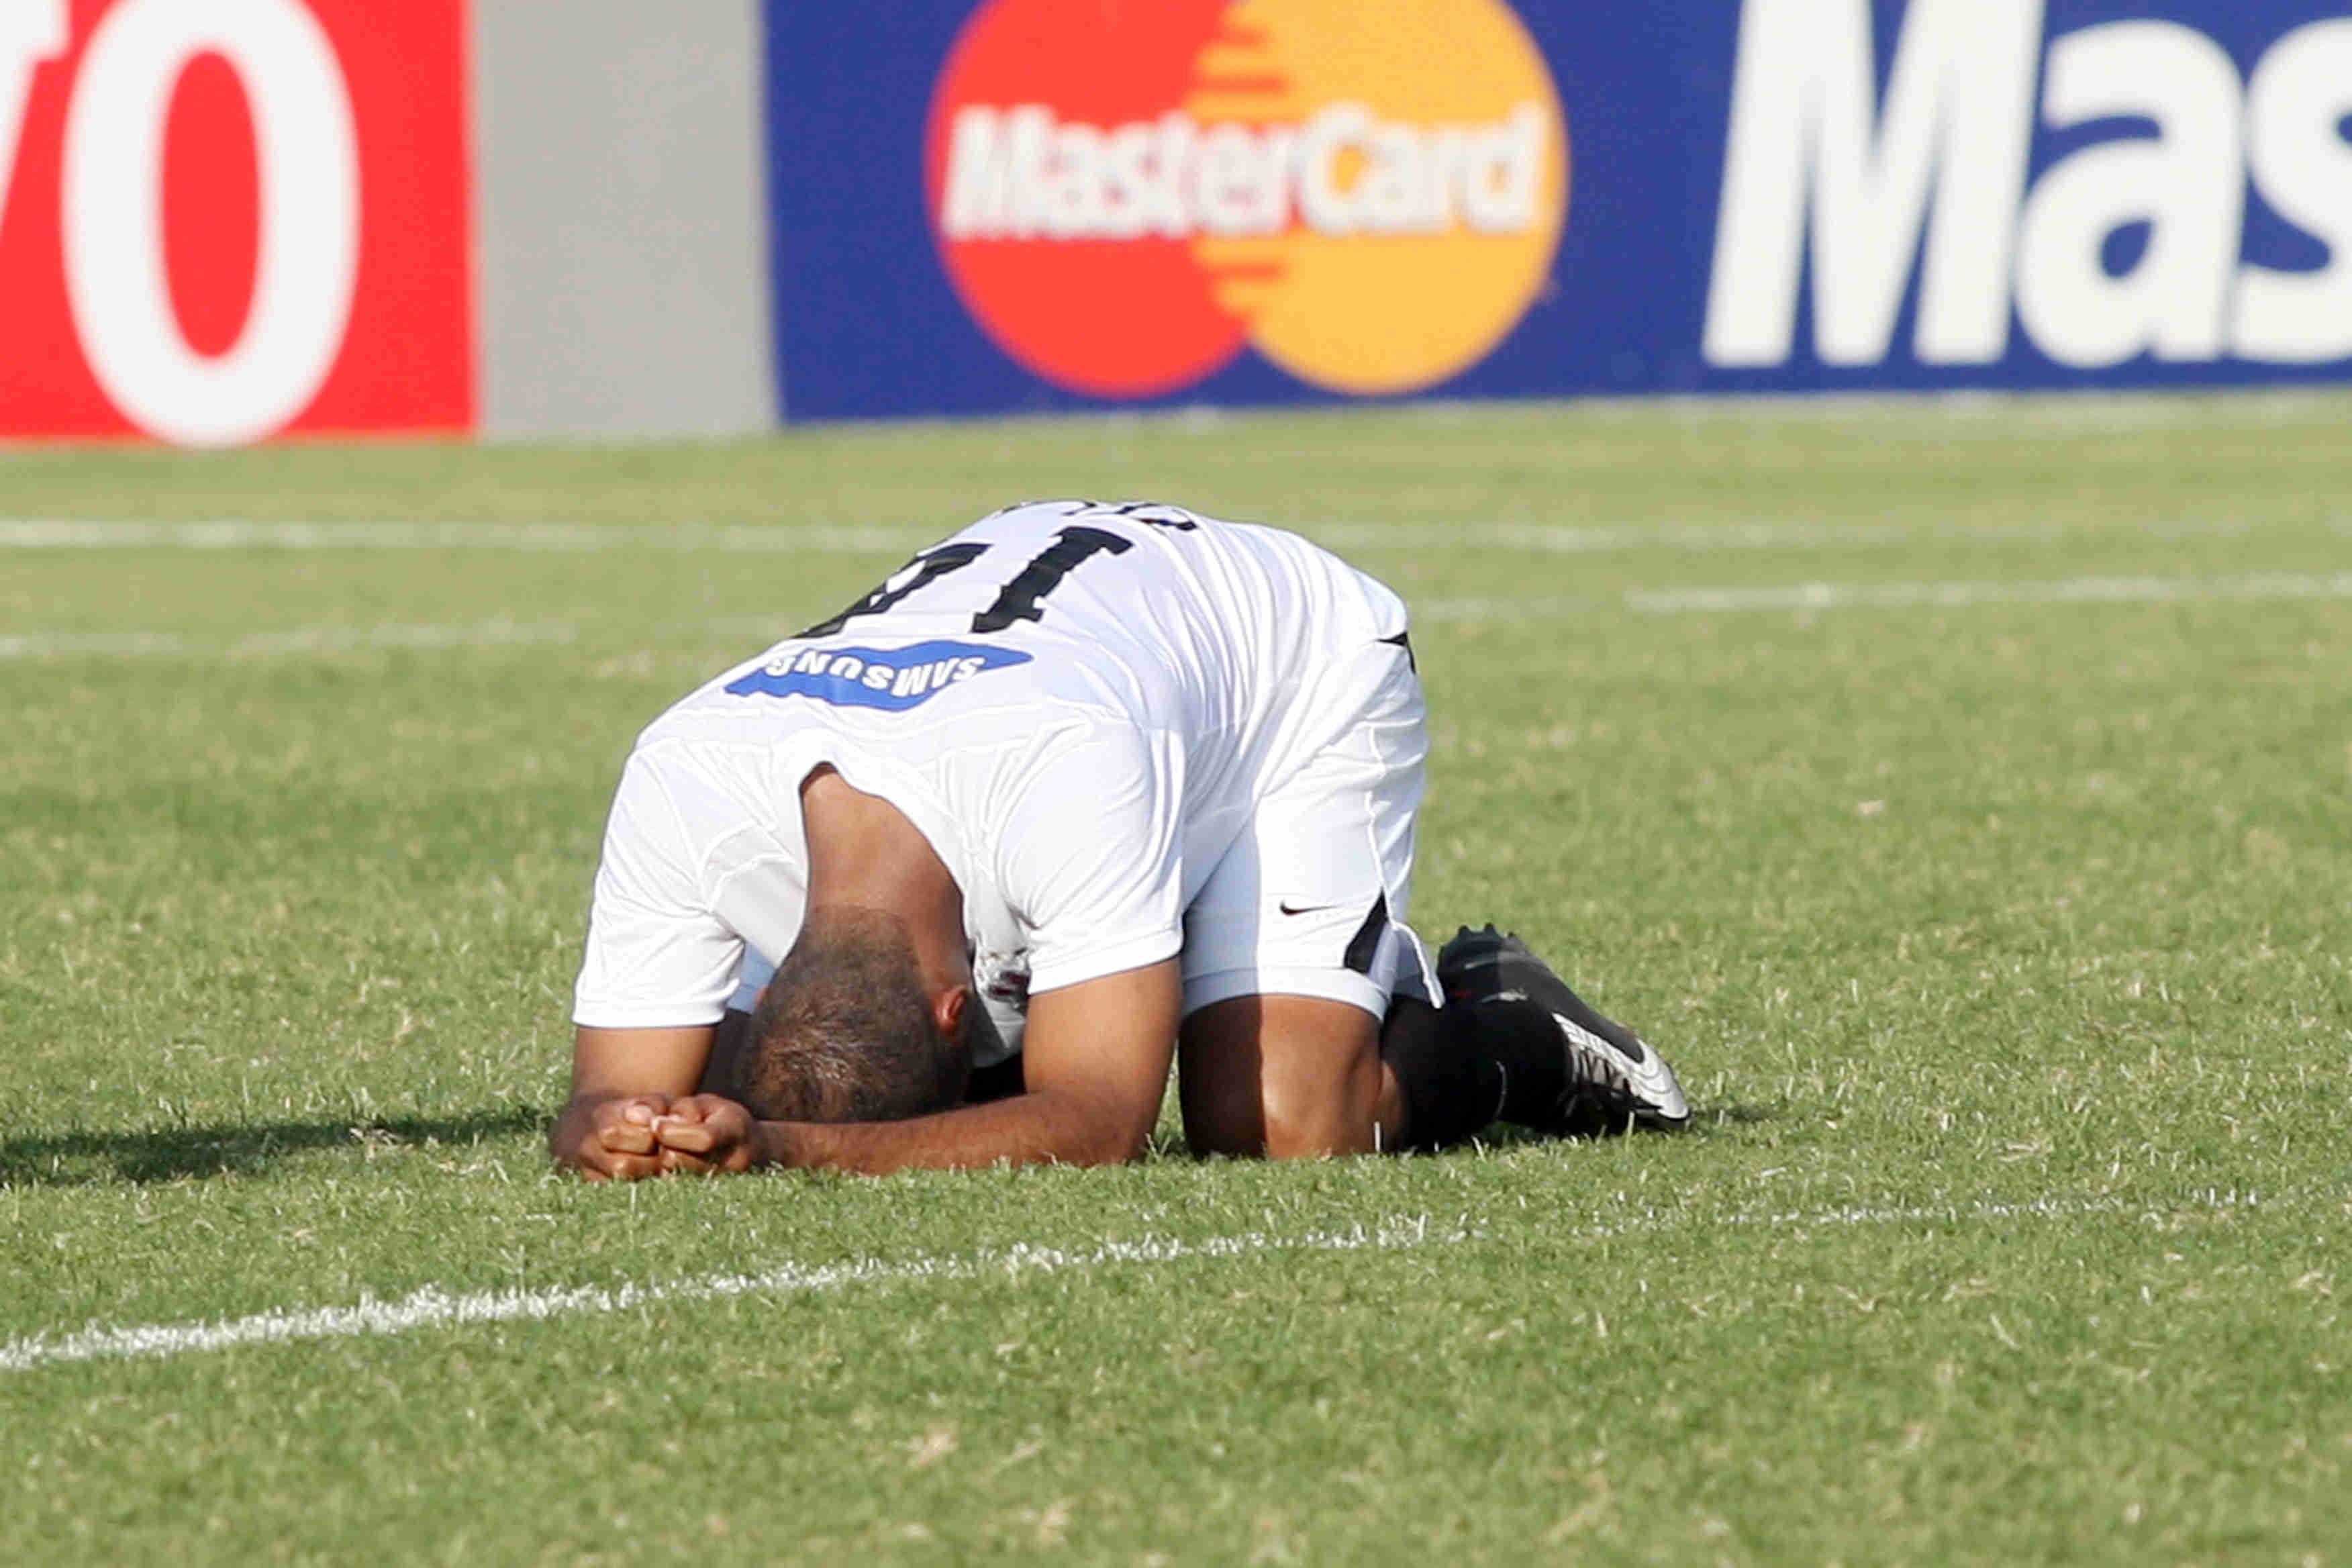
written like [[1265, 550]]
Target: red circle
[[1118, 318], [212, 204]]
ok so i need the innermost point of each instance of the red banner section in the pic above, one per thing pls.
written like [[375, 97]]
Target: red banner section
[[227, 220]]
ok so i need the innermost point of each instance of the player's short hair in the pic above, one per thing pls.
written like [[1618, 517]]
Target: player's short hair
[[844, 1032]]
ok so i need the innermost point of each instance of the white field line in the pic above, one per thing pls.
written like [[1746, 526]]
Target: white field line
[[2208, 1201], [44, 534], [433, 1308]]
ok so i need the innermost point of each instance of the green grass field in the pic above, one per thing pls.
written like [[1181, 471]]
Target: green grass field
[[1961, 796]]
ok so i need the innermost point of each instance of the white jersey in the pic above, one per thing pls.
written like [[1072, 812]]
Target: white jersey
[[1078, 706]]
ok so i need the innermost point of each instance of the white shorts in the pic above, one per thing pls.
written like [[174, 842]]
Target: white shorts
[[1311, 900]]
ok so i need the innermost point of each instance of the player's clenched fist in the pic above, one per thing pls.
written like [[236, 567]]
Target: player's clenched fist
[[611, 1140], [706, 1132]]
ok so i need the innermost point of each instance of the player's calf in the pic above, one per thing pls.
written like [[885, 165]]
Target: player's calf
[[1286, 1077]]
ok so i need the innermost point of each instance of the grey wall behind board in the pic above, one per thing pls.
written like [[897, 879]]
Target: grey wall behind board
[[621, 191]]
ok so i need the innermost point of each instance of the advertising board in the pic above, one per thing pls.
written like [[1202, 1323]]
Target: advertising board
[[1054, 203], [225, 220]]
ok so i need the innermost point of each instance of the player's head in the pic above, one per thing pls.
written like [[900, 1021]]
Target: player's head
[[847, 1032]]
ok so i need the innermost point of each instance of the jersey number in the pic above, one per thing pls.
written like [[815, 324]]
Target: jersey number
[[1022, 599]]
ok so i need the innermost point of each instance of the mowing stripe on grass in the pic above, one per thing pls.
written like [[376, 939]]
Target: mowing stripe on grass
[[1703, 538], [233, 533], [2251, 587], [433, 1308], [2064, 591], [2248, 588], [296, 641]]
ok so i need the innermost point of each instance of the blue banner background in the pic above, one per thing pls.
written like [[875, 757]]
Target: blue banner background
[[868, 323]]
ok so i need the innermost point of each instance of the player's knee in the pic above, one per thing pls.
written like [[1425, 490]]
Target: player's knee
[[1234, 1139], [1310, 1121], [1222, 1116], [1289, 1078], [1270, 1120]]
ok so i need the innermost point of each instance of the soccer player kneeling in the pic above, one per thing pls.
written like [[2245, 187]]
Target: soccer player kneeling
[[952, 877]]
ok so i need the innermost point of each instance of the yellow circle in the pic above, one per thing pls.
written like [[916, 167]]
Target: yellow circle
[[1429, 162]]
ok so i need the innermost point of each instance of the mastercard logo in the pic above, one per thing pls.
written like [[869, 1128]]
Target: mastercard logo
[[1128, 197]]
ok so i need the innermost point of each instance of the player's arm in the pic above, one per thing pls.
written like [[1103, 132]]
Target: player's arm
[[621, 1080], [1096, 1059], [657, 951]]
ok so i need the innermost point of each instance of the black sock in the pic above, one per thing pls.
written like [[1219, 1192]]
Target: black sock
[[1463, 1067], [1524, 1038], [1451, 1089]]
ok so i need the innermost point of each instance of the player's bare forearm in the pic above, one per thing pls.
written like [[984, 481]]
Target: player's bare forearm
[[1096, 1064], [622, 1079]]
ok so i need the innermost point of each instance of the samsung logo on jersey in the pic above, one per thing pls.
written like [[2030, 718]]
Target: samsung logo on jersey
[[894, 679]]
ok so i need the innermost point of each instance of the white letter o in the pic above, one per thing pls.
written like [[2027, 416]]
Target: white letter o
[[308, 268]]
